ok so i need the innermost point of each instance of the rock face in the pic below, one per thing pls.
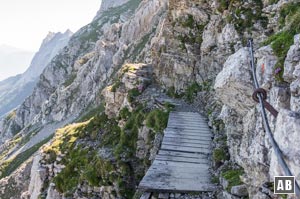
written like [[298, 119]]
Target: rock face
[[247, 142], [16, 185], [287, 137], [235, 78], [13, 91], [132, 77]]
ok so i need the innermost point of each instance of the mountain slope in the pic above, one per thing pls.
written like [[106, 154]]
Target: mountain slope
[[14, 90]]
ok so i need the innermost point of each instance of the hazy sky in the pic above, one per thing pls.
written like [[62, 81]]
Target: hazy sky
[[24, 23]]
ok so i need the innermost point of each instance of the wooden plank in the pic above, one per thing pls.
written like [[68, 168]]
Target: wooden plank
[[202, 137], [182, 140], [186, 114], [162, 177], [183, 129], [175, 164], [190, 129], [181, 159], [194, 131], [185, 126], [182, 163], [176, 168], [146, 195], [182, 134], [189, 134], [182, 154], [182, 121], [182, 186], [177, 142], [187, 145], [187, 118], [188, 149], [188, 137]]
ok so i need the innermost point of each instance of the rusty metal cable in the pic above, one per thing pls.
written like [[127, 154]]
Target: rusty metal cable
[[260, 95]]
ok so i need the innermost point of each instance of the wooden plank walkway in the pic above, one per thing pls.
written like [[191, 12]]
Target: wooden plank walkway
[[182, 163]]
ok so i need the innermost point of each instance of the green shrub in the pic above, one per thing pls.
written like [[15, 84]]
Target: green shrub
[[124, 113], [132, 94], [280, 44], [220, 155], [129, 134], [157, 120], [116, 86], [171, 92], [11, 165], [70, 80], [191, 91], [233, 177], [190, 22], [287, 12]]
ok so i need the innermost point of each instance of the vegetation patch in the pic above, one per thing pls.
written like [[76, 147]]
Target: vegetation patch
[[11, 115], [289, 21], [171, 92], [70, 80], [243, 16], [191, 91], [133, 94], [126, 146], [12, 164], [157, 120], [233, 177], [115, 86], [220, 155]]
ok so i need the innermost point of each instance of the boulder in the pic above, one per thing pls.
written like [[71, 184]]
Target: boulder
[[239, 190], [234, 85], [287, 136]]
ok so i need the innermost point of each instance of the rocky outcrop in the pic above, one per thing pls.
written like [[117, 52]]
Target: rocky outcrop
[[292, 73], [16, 185], [131, 77], [235, 78]]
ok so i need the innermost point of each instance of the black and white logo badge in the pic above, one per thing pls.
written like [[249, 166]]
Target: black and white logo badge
[[284, 184]]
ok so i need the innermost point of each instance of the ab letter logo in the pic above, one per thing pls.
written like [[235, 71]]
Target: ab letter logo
[[284, 184]]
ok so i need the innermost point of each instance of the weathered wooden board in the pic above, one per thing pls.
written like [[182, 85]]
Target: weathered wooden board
[[145, 195], [182, 163], [205, 145], [187, 134], [182, 159], [183, 140], [177, 186], [187, 149], [182, 154], [172, 135]]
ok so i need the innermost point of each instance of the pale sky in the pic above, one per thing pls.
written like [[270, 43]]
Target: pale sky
[[25, 23]]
